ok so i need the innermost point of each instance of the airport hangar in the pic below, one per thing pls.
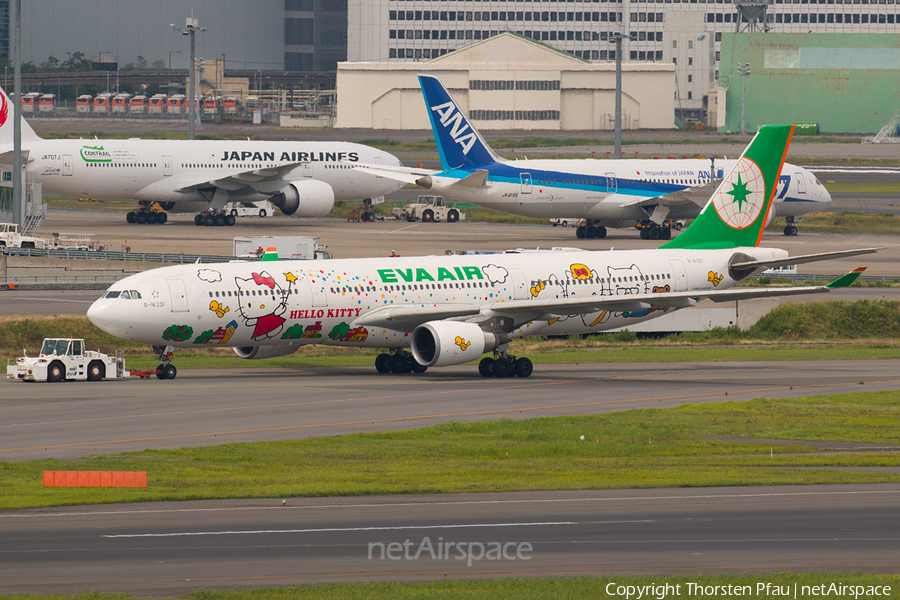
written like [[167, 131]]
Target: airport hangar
[[509, 82]]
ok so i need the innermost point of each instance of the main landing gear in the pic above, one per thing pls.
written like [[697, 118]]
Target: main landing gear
[[149, 213], [214, 218], [505, 365], [399, 361], [590, 230], [165, 370], [368, 214]]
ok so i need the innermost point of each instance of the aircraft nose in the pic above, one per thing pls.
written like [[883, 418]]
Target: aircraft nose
[[97, 315], [104, 314], [824, 195]]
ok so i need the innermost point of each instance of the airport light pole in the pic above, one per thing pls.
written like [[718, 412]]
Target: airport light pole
[[618, 35], [18, 202], [744, 72], [191, 27]]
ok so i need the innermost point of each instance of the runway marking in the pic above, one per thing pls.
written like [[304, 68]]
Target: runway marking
[[435, 416], [400, 229], [339, 529], [428, 503]]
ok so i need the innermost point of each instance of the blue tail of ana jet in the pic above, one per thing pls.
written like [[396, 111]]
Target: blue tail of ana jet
[[459, 143]]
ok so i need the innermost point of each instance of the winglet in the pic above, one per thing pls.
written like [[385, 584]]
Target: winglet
[[846, 280]]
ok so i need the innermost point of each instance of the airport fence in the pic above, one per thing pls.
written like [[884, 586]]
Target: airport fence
[[72, 253]]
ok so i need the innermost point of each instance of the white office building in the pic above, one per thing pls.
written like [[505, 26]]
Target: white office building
[[687, 33]]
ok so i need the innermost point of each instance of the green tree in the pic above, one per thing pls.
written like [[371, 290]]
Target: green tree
[[51, 64], [159, 65], [141, 63]]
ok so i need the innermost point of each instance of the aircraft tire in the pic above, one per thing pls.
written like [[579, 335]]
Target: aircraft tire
[[486, 367], [198, 220], [152, 218], [417, 368], [383, 363], [159, 371], [428, 216], [140, 218], [794, 230], [209, 220], [130, 217], [368, 217], [96, 371], [581, 232], [453, 216], [591, 232], [666, 234], [220, 220], [162, 218], [654, 233], [169, 371], [230, 220], [56, 372], [502, 368], [400, 363], [645, 234], [524, 367], [601, 232]]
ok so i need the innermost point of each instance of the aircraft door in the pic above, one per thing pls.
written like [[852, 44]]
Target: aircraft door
[[167, 166], [316, 290], [68, 165], [801, 183], [179, 295], [519, 284], [611, 185], [526, 182], [679, 275]]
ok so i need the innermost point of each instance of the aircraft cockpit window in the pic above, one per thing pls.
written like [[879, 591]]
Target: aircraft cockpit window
[[135, 295], [112, 294], [126, 295]]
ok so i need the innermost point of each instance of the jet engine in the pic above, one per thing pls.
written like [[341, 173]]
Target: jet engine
[[261, 352], [442, 343], [305, 198]]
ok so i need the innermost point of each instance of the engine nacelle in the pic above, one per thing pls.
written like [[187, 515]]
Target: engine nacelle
[[443, 343], [305, 198], [261, 352]]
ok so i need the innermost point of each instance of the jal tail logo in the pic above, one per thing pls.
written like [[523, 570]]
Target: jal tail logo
[[4, 110], [453, 119]]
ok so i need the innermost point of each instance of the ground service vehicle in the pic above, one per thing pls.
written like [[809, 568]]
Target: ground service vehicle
[[11, 238], [66, 358], [430, 209]]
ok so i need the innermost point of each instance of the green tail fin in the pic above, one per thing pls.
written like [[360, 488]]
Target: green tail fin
[[847, 279], [738, 211]]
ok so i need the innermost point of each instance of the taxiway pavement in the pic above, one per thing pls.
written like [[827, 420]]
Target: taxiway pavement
[[204, 407], [165, 549]]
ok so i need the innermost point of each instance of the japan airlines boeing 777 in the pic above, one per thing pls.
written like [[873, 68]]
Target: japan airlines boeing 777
[[451, 309], [303, 179], [606, 193]]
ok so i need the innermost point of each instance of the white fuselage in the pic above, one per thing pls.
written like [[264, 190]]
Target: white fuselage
[[154, 170], [603, 189], [281, 303]]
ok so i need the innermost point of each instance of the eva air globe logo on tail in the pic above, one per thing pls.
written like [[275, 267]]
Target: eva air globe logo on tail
[[742, 197]]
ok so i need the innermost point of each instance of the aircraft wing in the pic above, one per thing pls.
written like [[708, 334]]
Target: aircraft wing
[[265, 181], [697, 195], [752, 265], [519, 312], [404, 174]]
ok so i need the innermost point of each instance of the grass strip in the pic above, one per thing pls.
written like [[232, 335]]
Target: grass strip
[[682, 586], [630, 449]]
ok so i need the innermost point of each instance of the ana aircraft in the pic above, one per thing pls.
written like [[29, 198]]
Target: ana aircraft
[[451, 309], [303, 179], [606, 193]]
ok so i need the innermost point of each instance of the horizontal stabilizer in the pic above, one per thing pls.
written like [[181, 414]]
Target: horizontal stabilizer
[[800, 259], [475, 180]]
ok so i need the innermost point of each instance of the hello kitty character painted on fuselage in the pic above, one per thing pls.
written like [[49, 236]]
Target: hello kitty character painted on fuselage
[[621, 285], [262, 302]]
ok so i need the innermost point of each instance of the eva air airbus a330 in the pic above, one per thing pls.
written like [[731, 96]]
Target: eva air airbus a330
[[449, 310]]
